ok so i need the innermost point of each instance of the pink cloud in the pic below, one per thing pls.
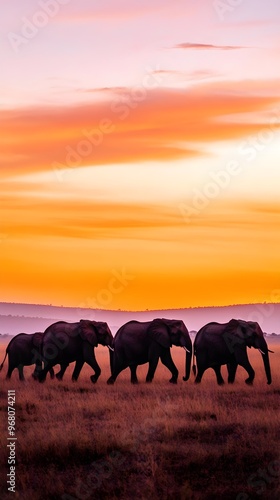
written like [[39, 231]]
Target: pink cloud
[[207, 46]]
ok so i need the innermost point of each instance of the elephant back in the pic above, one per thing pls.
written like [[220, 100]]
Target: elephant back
[[61, 327]]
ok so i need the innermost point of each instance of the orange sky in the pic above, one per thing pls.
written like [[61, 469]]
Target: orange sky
[[145, 174]]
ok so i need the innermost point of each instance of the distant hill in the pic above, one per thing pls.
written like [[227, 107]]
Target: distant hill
[[16, 318]]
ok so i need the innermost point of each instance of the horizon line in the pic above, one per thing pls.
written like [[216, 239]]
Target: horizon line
[[142, 310]]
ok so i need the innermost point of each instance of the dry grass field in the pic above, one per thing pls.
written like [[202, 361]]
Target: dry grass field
[[158, 441]]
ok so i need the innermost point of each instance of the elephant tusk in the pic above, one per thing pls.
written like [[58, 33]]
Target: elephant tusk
[[261, 351], [270, 351], [185, 349], [111, 348]]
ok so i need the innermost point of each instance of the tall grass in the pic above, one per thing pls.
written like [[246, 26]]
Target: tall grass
[[85, 441]]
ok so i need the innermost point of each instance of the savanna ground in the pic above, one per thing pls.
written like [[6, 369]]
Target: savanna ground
[[84, 441]]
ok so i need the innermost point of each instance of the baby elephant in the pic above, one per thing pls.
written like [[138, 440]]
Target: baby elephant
[[25, 350]]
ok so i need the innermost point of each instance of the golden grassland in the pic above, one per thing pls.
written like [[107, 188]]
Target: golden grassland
[[84, 441]]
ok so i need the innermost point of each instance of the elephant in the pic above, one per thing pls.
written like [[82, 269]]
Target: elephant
[[66, 342], [136, 343], [218, 344], [24, 350]]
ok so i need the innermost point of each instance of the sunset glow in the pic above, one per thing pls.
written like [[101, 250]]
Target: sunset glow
[[139, 153]]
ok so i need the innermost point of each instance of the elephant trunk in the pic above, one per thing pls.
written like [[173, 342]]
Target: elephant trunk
[[267, 367], [111, 354], [264, 352], [2, 364], [188, 363]]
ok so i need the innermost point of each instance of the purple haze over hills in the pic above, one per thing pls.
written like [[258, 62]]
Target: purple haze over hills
[[28, 318]]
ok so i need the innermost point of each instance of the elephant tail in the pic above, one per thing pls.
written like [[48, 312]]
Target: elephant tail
[[194, 365], [2, 364]]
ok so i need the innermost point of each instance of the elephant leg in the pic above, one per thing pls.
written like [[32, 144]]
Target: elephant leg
[[242, 360], [89, 358], [77, 370], [152, 368], [153, 357], [217, 370], [20, 372], [201, 367], [250, 372], [167, 361], [37, 370], [61, 372], [119, 365], [133, 375], [232, 367], [117, 370], [43, 373], [153, 362], [10, 371], [111, 380]]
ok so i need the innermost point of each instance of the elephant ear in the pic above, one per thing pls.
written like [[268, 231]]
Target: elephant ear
[[237, 332], [87, 332], [37, 339], [255, 334], [256, 329], [234, 328], [158, 331]]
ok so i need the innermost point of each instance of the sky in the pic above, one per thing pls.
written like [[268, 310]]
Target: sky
[[139, 153]]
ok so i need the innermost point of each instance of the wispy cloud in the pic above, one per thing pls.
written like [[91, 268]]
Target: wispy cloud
[[168, 125], [183, 76], [167, 72], [103, 90], [206, 46]]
